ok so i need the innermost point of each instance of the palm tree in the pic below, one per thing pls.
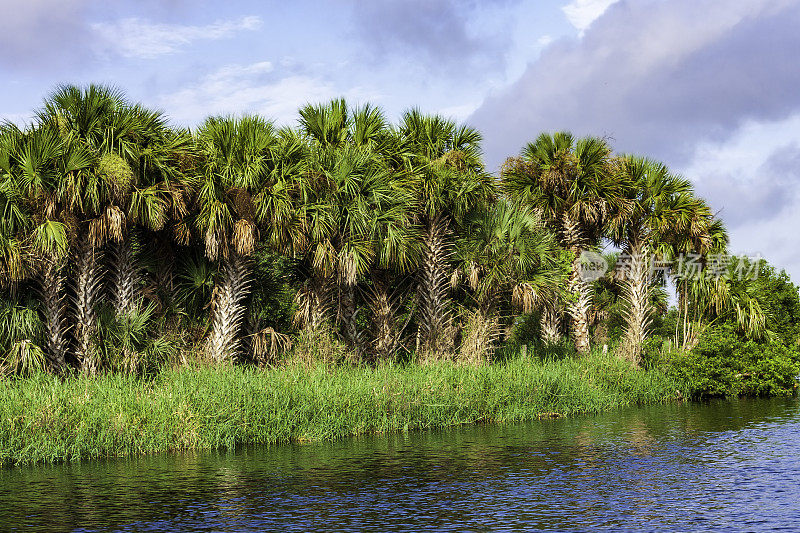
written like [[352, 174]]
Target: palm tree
[[397, 244], [14, 217], [664, 217], [507, 256], [156, 195], [446, 171], [698, 294], [22, 331], [98, 121], [324, 128], [236, 161], [21, 335], [746, 303], [37, 164], [725, 292], [571, 184], [148, 188], [279, 212], [708, 299], [350, 203]]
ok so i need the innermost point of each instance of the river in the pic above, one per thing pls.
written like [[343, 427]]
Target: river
[[721, 466]]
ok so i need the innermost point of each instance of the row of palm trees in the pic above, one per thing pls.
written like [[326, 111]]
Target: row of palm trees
[[400, 238]]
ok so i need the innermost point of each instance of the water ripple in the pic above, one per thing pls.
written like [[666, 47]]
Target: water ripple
[[724, 466]]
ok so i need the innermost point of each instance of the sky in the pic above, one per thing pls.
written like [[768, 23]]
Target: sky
[[710, 87]]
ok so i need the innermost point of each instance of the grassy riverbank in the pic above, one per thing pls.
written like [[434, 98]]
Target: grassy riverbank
[[43, 419]]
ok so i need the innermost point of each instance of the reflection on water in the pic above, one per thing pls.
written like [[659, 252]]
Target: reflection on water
[[722, 466]]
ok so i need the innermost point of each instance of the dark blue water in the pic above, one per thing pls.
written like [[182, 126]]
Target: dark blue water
[[726, 466]]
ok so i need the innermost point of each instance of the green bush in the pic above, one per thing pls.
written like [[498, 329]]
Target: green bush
[[781, 302], [724, 364], [652, 350]]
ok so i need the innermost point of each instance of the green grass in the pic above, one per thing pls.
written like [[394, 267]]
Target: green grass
[[43, 419]]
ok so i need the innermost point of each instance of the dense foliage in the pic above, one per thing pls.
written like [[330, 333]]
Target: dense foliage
[[724, 364], [129, 246]]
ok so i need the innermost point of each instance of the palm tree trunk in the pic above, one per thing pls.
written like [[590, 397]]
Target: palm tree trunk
[[549, 324], [125, 277], [322, 299], [690, 327], [680, 323], [383, 305], [480, 334], [383, 321], [637, 295], [87, 285], [348, 317], [313, 301], [580, 305], [51, 290], [435, 336], [164, 274], [228, 309]]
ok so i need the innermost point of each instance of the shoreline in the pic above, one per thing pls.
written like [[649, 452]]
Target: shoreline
[[47, 420]]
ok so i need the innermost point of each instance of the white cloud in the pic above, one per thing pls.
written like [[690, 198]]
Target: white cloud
[[459, 112], [774, 239], [230, 73], [544, 40], [254, 88], [581, 13], [133, 37], [745, 152]]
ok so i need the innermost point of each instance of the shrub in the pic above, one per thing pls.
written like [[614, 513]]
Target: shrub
[[724, 364]]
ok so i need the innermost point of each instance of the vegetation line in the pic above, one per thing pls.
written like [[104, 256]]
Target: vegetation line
[[44, 419]]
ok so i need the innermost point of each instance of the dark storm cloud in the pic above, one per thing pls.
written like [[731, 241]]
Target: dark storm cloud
[[656, 76], [435, 32]]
